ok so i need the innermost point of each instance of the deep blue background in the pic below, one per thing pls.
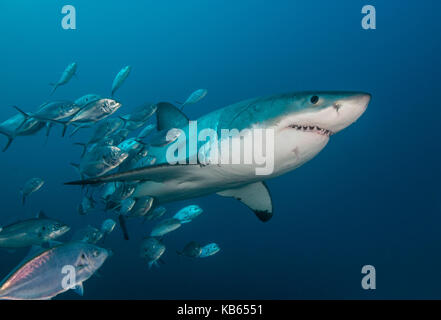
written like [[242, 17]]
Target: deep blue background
[[371, 197]]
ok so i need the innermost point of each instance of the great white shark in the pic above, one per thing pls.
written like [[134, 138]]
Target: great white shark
[[302, 124]]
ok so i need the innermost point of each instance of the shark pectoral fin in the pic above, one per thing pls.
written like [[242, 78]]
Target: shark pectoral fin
[[169, 117], [255, 196], [79, 289]]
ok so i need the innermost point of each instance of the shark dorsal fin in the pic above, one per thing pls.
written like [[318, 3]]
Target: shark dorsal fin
[[41, 215], [255, 196], [169, 117]]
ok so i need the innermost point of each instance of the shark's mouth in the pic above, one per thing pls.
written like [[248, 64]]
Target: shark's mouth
[[312, 129]]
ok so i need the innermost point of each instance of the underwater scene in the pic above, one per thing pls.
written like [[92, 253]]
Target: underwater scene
[[220, 150]]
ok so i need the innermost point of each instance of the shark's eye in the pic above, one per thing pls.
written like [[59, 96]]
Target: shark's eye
[[314, 99]]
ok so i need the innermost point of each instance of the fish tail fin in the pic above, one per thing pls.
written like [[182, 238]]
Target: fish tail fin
[[122, 223], [76, 129], [24, 114], [10, 138], [63, 133], [82, 145], [77, 167], [23, 197], [55, 86], [153, 263], [124, 121]]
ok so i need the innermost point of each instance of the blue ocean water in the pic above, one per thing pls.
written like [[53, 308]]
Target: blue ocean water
[[372, 196]]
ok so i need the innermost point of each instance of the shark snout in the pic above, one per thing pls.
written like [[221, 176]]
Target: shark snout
[[347, 110]]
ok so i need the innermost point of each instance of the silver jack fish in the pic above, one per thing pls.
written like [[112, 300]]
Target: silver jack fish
[[165, 226], [152, 249], [43, 275], [191, 250], [209, 250], [19, 126], [195, 97], [31, 186], [68, 73], [187, 214], [92, 112], [31, 232], [120, 78]]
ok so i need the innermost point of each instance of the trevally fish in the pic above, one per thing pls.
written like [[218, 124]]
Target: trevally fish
[[125, 206], [31, 232], [42, 275], [121, 192], [146, 131], [195, 97], [302, 123], [141, 207], [152, 249], [165, 226], [54, 110], [31, 186], [117, 137], [191, 250], [188, 213], [139, 159], [92, 112], [87, 204], [209, 250], [103, 129], [139, 116], [108, 226], [100, 161], [82, 101], [67, 74], [88, 234], [156, 213], [120, 78], [18, 126]]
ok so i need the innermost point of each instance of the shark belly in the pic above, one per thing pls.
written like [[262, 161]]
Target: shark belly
[[197, 182]]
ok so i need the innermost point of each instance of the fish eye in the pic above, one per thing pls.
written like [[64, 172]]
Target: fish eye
[[95, 253], [314, 99]]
